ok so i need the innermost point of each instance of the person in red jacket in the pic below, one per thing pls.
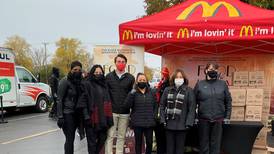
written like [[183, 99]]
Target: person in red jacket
[[159, 128]]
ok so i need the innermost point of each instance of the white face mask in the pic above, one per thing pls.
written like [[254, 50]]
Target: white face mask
[[178, 82]]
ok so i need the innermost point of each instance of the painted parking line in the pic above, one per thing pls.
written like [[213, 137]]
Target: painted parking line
[[26, 118], [30, 136]]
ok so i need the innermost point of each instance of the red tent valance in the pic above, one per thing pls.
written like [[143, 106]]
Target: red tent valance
[[207, 26]]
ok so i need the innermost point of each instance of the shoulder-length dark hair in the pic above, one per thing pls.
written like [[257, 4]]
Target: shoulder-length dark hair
[[171, 81], [92, 70], [139, 74]]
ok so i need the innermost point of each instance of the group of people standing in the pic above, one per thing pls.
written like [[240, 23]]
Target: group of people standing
[[102, 107]]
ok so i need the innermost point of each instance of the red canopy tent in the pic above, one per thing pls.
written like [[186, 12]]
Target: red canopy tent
[[205, 26]]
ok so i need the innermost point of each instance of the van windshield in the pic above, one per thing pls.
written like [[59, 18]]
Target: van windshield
[[24, 76]]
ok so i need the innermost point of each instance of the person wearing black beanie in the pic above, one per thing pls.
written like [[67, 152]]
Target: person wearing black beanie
[[67, 96]]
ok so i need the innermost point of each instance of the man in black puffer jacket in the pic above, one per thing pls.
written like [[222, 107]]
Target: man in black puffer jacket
[[214, 107], [119, 84]]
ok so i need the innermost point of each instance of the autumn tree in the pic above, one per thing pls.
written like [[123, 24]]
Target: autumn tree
[[21, 50], [68, 50], [148, 72], [40, 66]]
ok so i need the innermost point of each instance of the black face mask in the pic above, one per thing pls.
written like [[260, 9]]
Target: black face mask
[[99, 77], [142, 85], [212, 74], [57, 74], [77, 75]]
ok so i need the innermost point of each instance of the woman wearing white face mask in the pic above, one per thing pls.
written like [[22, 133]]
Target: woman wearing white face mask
[[177, 111]]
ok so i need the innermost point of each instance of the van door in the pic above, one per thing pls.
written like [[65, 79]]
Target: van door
[[27, 90]]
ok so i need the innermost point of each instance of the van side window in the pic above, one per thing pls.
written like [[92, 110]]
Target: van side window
[[24, 76]]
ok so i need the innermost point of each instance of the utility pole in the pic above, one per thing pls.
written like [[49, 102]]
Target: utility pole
[[46, 59]]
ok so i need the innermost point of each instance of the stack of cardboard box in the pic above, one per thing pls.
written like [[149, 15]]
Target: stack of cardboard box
[[247, 96], [240, 79], [254, 102], [238, 104], [261, 138], [251, 99]]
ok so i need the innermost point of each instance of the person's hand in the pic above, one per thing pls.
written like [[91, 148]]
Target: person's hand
[[60, 122], [188, 127], [226, 121], [196, 121], [55, 95]]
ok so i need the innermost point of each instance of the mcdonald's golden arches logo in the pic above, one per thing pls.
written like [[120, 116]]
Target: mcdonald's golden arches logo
[[182, 33], [246, 30], [209, 10], [127, 35]]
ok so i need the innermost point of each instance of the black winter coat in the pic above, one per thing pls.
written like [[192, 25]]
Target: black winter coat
[[53, 83], [143, 108], [95, 104], [187, 116], [213, 99], [119, 89], [67, 97]]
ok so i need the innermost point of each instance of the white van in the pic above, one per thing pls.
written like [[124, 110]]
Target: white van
[[18, 86]]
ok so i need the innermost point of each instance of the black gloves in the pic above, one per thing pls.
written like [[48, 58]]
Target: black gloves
[[60, 122], [226, 121]]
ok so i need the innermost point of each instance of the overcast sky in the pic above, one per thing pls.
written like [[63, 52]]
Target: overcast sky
[[91, 21]]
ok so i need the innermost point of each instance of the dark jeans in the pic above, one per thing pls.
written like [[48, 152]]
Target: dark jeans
[[175, 141], [69, 128], [53, 110], [210, 136], [160, 134], [138, 133], [95, 139]]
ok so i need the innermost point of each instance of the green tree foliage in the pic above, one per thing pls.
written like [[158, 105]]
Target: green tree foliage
[[154, 6], [267, 4], [21, 50], [68, 50]]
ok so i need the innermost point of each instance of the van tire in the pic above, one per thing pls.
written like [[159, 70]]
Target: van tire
[[42, 104]]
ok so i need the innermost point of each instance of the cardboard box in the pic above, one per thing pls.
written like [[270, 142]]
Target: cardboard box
[[240, 78], [260, 141], [266, 100], [253, 113], [237, 113], [256, 78], [238, 96], [254, 97], [266, 106]]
